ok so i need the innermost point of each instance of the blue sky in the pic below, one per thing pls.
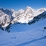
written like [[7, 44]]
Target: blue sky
[[21, 4]]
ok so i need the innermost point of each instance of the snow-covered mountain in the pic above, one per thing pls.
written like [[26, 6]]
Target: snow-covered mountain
[[24, 16], [8, 17]]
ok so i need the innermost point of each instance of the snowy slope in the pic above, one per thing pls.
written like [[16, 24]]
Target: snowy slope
[[32, 37]]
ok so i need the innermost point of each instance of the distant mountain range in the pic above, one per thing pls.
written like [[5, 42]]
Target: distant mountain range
[[29, 16]]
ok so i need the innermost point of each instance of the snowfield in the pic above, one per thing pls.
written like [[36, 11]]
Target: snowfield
[[32, 37], [26, 38]]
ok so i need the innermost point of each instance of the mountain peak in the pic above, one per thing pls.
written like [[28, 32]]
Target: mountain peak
[[28, 7], [41, 10], [21, 11]]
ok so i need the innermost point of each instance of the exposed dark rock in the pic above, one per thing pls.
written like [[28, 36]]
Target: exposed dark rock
[[37, 18]]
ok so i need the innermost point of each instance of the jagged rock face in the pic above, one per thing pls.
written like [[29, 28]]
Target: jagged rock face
[[8, 17]]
